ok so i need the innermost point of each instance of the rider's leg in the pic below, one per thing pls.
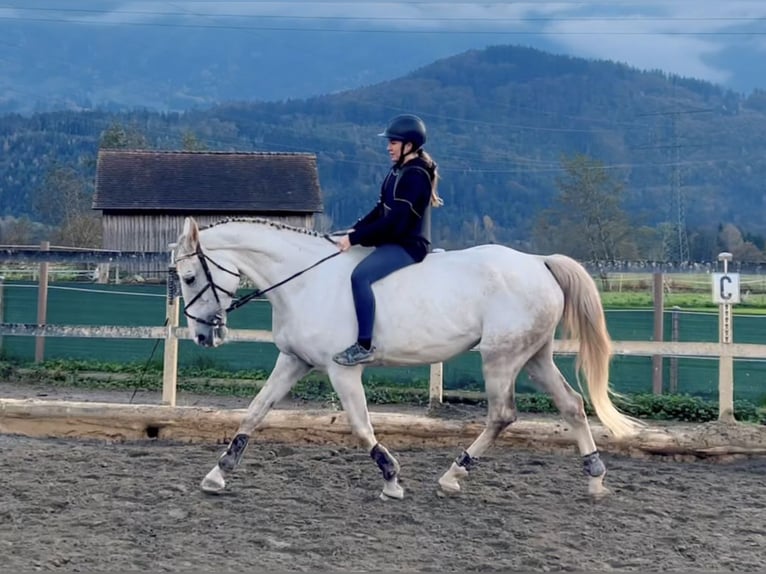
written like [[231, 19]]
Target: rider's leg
[[383, 261]]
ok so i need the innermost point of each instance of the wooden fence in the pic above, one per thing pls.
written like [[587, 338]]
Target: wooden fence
[[724, 349]]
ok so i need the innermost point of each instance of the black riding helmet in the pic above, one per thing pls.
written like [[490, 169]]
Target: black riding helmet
[[406, 128]]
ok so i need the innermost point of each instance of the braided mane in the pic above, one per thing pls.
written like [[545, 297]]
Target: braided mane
[[263, 221]]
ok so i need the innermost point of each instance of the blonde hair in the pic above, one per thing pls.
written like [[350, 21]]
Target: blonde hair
[[433, 169]]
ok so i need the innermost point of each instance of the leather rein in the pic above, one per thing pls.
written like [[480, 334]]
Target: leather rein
[[237, 302]]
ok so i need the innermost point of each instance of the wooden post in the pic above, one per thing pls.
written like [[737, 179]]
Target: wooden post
[[436, 385], [103, 273], [42, 304], [2, 307], [675, 332], [726, 380], [170, 360], [659, 307]]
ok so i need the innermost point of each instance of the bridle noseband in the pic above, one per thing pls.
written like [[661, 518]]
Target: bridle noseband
[[236, 303], [203, 259]]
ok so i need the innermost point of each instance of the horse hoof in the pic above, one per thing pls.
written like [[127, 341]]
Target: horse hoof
[[448, 487], [450, 480], [596, 487], [392, 491], [214, 482]]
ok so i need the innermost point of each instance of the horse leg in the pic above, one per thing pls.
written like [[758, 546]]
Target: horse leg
[[348, 386], [545, 374], [500, 369], [287, 371]]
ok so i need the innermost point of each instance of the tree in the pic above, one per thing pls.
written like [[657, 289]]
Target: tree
[[704, 244], [732, 240], [116, 136], [192, 143], [587, 220], [64, 202], [21, 231], [80, 230]]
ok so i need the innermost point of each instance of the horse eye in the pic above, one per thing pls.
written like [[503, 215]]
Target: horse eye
[[189, 280]]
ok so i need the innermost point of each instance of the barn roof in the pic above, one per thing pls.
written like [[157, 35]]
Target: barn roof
[[151, 180]]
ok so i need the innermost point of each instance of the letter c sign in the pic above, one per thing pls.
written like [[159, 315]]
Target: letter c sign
[[726, 287]]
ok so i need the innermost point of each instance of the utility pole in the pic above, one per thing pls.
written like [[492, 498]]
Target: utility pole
[[677, 246], [676, 239]]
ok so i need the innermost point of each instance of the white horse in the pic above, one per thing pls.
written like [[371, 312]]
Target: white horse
[[506, 303]]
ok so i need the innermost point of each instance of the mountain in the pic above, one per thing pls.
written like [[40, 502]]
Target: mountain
[[77, 54], [48, 66], [500, 119]]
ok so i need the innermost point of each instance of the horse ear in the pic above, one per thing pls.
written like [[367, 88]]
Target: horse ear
[[191, 232]]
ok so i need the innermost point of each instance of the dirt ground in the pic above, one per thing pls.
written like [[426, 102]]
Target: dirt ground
[[74, 506]]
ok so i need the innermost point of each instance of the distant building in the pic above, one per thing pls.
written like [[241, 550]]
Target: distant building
[[144, 195]]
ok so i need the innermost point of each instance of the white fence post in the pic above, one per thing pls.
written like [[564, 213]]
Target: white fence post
[[170, 359], [436, 385], [725, 292]]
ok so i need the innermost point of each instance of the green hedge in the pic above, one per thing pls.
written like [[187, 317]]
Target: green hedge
[[202, 379]]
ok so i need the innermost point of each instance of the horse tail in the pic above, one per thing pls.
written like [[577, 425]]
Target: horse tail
[[583, 319]]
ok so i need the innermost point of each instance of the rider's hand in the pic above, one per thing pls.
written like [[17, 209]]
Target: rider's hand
[[343, 243]]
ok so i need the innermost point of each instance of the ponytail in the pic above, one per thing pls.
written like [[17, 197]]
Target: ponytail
[[433, 170]]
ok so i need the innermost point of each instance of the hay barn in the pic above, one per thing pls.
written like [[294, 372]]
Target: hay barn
[[144, 195]]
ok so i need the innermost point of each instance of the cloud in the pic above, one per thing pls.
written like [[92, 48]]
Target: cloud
[[646, 49], [678, 37]]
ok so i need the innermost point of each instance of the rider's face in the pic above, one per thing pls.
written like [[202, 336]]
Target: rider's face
[[394, 148]]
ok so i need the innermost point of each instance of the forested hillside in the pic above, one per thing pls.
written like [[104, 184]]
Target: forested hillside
[[171, 66], [501, 121]]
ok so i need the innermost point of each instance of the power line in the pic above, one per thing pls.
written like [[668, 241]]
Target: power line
[[517, 19], [500, 125], [442, 3], [505, 3], [534, 164], [547, 33], [447, 163]]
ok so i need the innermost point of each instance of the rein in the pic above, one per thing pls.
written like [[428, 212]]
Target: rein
[[258, 292], [237, 301]]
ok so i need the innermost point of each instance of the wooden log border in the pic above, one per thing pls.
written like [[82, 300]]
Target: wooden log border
[[121, 422]]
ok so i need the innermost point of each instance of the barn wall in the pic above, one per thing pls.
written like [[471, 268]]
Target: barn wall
[[153, 233]]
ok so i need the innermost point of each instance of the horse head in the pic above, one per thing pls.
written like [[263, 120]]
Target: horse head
[[208, 286]]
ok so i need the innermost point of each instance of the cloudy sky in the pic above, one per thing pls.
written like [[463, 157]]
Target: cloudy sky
[[714, 40]]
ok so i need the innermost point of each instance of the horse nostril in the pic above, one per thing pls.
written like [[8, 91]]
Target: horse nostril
[[200, 339]]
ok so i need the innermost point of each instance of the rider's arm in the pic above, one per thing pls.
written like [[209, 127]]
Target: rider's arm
[[379, 210], [375, 213]]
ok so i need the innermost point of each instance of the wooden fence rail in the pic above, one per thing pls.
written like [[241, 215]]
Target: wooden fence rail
[[724, 350], [172, 333]]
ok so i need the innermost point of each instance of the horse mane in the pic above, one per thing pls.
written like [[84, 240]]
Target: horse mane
[[263, 221]]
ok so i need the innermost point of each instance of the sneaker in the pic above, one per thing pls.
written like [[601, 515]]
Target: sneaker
[[354, 355]]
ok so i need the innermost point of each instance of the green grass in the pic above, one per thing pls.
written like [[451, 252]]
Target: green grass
[[754, 304], [689, 291]]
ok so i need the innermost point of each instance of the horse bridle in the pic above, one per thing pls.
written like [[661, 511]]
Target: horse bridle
[[211, 284], [204, 258]]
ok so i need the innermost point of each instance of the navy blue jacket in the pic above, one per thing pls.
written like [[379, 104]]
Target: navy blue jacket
[[401, 216]]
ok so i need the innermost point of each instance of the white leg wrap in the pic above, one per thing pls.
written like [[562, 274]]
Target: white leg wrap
[[214, 480]]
